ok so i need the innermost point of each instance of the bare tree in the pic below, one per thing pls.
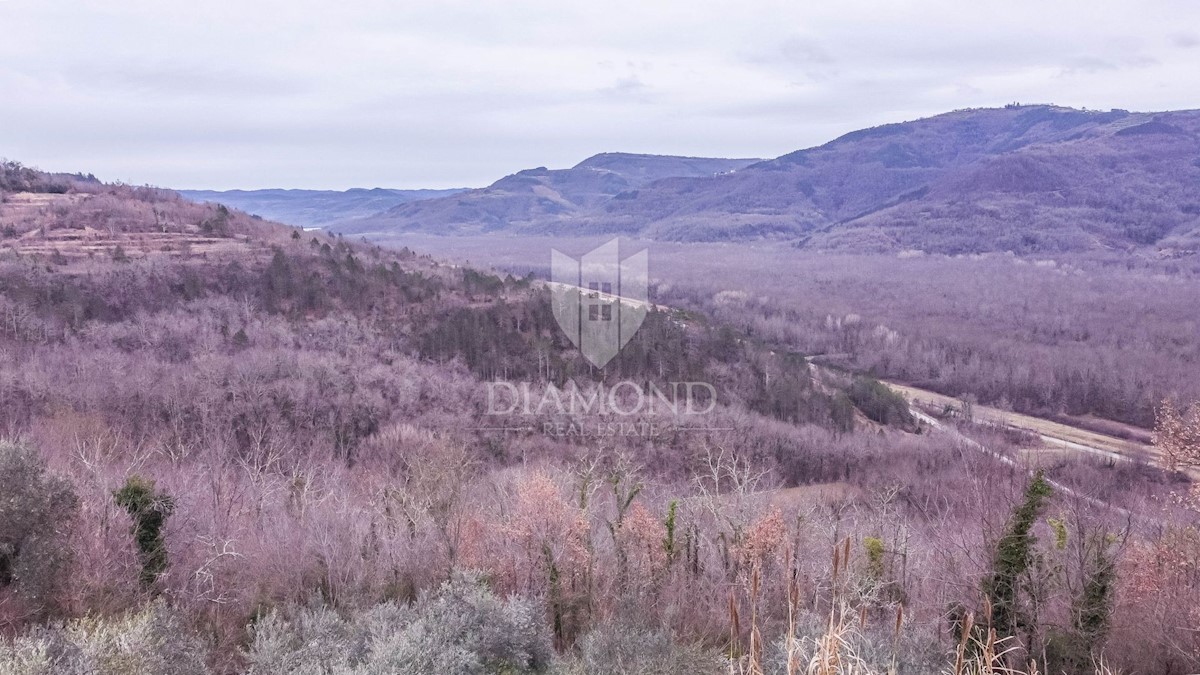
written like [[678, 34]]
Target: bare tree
[[1177, 434]]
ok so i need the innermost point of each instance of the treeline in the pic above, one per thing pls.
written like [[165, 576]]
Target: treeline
[[15, 177], [295, 282], [521, 340]]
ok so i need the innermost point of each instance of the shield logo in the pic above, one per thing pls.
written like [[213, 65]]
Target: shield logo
[[599, 300]]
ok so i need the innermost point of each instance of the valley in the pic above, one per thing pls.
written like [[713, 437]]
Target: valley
[[578, 338], [309, 412]]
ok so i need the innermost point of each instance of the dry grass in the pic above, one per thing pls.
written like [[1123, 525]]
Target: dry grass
[[89, 242], [1067, 436], [73, 227], [836, 650]]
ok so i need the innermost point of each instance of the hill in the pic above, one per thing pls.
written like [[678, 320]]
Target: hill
[[1028, 179], [71, 219], [230, 446], [534, 197], [639, 170], [314, 208]]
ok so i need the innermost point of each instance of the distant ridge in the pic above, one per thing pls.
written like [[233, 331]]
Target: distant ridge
[[313, 208], [642, 169], [1028, 179], [544, 195]]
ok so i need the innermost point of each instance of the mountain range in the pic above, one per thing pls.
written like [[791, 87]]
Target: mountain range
[[536, 197], [1027, 179], [314, 208]]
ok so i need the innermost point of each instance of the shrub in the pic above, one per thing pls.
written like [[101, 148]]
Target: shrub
[[1013, 554], [310, 637], [154, 640], [880, 403], [36, 510], [149, 510], [631, 649], [875, 550], [463, 629]]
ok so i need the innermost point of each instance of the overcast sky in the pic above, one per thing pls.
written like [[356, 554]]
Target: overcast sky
[[301, 94]]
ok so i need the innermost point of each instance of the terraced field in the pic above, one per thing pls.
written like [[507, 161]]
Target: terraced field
[[81, 226]]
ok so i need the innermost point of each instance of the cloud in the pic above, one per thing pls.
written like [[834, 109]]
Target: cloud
[[304, 93], [197, 80], [796, 55], [1088, 64], [627, 87], [1185, 40]]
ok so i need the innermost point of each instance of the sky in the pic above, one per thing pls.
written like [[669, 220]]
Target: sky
[[449, 93]]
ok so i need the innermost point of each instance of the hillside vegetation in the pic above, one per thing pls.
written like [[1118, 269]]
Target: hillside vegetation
[[230, 446]]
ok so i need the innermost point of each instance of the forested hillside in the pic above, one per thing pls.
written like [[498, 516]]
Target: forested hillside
[[230, 446]]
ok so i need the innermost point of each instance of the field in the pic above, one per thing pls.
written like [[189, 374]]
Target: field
[[1053, 433], [76, 227]]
